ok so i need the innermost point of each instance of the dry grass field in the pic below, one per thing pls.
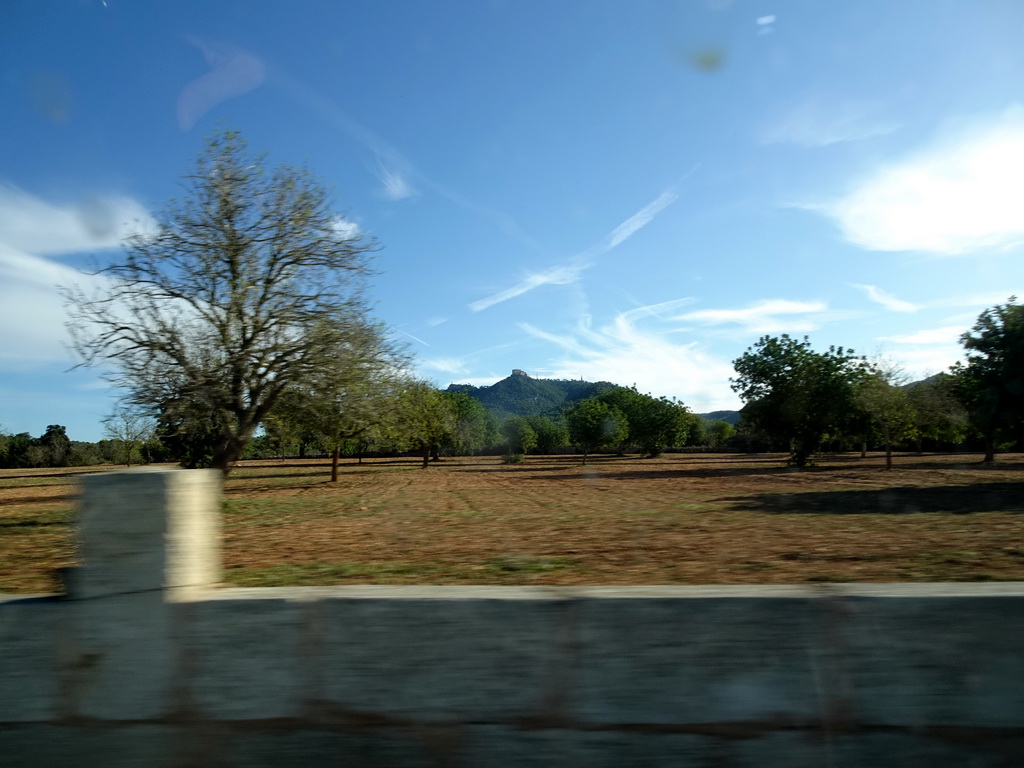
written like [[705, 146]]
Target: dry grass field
[[679, 519]]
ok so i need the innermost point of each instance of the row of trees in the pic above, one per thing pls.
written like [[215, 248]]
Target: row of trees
[[245, 311], [804, 399]]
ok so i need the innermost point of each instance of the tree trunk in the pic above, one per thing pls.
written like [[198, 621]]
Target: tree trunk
[[990, 449], [863, 449], [426, 456], [227, 455], [888, 455], [334, 463]]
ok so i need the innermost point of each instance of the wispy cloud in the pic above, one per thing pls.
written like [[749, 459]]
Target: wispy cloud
[[887, 300], [628, 351], [94, 222], [768, 316], [388, 156], [394, 185], [927, 351], [960, 194], [945, 335], [433, 322], [563, 275], [417, 339], [571, 272], [818, 121], [346, 228], [31, 231], [451, 365]]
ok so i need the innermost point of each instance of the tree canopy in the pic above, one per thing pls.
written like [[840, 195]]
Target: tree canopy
[[248, 286], [991, 382], [796, 394]]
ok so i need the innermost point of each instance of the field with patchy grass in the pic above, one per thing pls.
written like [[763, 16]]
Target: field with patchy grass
[[679, 519]]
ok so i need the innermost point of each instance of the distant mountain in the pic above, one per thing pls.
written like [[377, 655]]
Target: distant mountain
[[522, 395], [730, 417]]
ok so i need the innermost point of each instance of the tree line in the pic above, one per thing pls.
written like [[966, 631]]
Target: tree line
[[802, 400], [241, 327]]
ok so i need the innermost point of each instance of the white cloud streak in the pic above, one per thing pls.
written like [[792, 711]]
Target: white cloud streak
[[960, 194], [822, 121], [96, 222], [32, 320], [394, 185], [887, 300], [928, 351], [768, 316], [563, 275], [571, 272], [623, 351]]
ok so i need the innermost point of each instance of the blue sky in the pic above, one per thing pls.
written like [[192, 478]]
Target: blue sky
[[633, 192]]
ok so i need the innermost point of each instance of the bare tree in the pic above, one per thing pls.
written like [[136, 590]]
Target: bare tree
[[248, 286], [130, 427]]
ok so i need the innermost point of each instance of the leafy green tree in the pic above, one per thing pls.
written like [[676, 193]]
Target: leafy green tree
[[244, 290], [991, 382], [594, 424], [550, 435], [475, 426], [56, 446], [519, 435], [715, 433], [939, 416], [424, 419], [654, 423], [796, 394], [352, 393], [888, 409]]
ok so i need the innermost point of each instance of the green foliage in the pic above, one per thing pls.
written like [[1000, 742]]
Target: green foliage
[[991, 383], [939, 417], [655, 423], [796, 394], [594, 424], [475, 427], [423, 419], [888, 409], [519, 435], [550, 435], [522, 395], [715, 433]]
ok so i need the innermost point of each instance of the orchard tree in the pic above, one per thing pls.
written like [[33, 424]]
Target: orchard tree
[[423, 418], [475, 427], [594, 424], [520, 437], [246, 288], [888, 409], [991, 383], [938, 415], [654, 423], [349, 395], [550, 435], [796, 394], [129, 428]]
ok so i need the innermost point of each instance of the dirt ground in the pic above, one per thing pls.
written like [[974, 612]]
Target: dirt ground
[[678, 519]]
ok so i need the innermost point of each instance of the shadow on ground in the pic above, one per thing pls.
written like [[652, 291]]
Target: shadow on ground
[[948, 499]]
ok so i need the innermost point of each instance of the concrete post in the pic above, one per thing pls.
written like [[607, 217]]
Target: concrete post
[[148, 530], [147, 537]]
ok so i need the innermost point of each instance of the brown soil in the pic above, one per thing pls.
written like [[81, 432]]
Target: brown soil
[[684, 518]]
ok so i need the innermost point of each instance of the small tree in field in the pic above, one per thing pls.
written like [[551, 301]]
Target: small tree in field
[[594, 424], [796, 394], [519, 435], [129, 428], [244, 290]]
